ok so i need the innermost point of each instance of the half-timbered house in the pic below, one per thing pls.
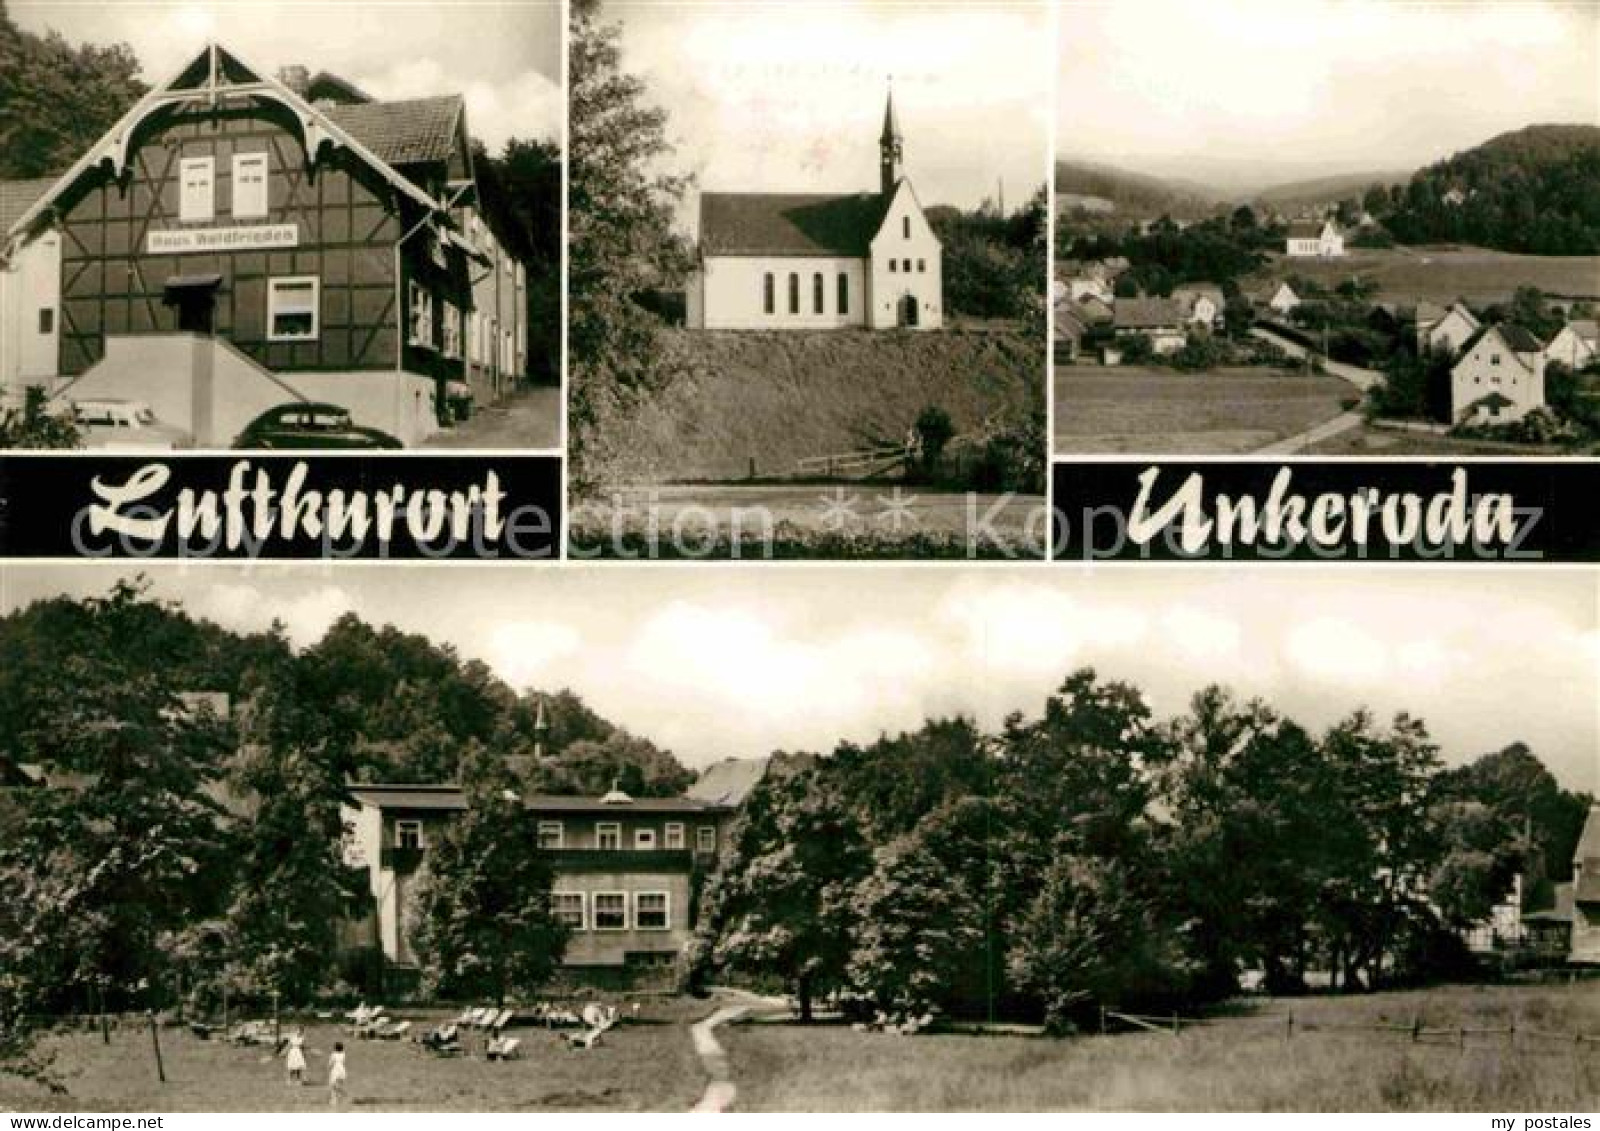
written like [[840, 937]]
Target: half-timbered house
[[239, 240]]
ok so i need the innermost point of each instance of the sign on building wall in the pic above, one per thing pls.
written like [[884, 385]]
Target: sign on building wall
[[224, 239]]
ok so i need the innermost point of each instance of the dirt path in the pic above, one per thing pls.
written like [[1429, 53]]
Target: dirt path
[[1324, 431], [1362, 379], [721, 1090]]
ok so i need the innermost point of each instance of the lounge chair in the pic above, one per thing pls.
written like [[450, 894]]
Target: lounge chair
[[391, 1030], [504, 1048], [502, 1019]]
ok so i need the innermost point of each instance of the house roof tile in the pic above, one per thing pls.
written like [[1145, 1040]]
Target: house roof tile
[[16, 197], [765, 223]]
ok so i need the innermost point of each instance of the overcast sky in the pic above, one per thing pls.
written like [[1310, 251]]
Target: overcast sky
[[1254, 91], [504, 57], [714, 662], [776, 96]]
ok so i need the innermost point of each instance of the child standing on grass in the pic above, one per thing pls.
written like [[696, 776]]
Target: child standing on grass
[[336, 1075], [295, 1059]]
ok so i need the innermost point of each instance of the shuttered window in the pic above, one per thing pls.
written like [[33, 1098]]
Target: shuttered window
[[196, 197], [249, 185]]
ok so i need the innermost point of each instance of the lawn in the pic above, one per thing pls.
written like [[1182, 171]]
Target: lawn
[[643, 1065], [1155, 411], [1365, 440], [844, 520], [1443, 274], [1242, 1063]]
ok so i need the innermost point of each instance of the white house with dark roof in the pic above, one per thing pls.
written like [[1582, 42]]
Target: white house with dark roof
[[1499, 377], [1317, 239], [30, 295], [1586, 891], [1160, 320], [804, 261], [1576, 344], [625, 869], [1449, 329]]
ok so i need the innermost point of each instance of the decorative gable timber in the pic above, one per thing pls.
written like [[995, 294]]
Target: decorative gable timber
[[215, 76]]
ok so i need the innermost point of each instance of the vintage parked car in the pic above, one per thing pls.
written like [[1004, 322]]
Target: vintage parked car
[[311, 425], [109, 425]]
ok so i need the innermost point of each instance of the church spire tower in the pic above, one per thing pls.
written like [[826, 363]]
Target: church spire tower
[[891, 148]]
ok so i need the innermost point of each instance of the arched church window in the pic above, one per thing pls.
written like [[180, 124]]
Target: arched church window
[[844, 293], [905, 226], [794, 293], [816, 293], [769, 297]]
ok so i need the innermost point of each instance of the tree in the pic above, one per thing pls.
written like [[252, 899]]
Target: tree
[[933, 429], [291, 888], [122, 843], [482, 908], [781, 903], [35, 426], [620, 243], [56, 99]]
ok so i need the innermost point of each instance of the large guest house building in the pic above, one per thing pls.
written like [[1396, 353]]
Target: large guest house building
[[239, 240]]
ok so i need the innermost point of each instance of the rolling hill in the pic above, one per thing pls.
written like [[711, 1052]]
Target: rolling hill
[[1134, 194]]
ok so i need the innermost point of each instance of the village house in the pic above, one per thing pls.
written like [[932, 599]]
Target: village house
[[1499, 378], [1576, 344], [626, 869], [1439, 328], [1161, 321], [1318, 239], [1547, 932], [240, 240], [1586, 891], [1068, 330], [799, 261], [1279, 298], [1202, 303], [1094, 311]]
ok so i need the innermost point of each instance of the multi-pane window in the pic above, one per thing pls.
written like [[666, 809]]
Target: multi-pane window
[[249, 185], [567, 908], [610, 911], [408, 834], [650, 911], [292, 306], [816, 293], [196, 195], [451, 336], [844, 293], [705, 839], [674, 834], [644, 839], [608, 835], [420, 330], [769, 293], [551, 834], [794, 293]]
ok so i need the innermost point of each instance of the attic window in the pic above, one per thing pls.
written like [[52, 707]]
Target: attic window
[[905, 226]]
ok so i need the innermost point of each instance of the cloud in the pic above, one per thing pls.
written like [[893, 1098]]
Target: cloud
[[523, 651], [306, 615]]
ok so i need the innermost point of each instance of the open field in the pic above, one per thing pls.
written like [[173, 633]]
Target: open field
[[1154, 411], [1243, 1063], [1443, 274], [856, 519], [648, 1065], [765, 400]]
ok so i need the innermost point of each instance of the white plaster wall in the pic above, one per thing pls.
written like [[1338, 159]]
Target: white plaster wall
[[731, 294], [31, 281], [889, 288], [1475, 376]]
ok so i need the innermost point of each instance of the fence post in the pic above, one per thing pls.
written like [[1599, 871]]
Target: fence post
[[155, 1043], [1461, 1038], [1102, 1020], [1416, 1028], [1288, 1029], [1174, 1024]]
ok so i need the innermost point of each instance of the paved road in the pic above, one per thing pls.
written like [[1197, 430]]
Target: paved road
[[721, 1091], [526, 421], [1362, 379]]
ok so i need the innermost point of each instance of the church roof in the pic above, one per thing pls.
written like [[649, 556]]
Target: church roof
[[768, 223], [1306, 229]]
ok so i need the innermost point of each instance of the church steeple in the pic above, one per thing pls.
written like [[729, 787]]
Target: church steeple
[[891, 148]]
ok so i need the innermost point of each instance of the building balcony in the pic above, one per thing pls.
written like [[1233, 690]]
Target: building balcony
[[621, 860]]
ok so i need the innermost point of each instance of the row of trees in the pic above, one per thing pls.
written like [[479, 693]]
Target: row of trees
[[1098, 856], [150, 845]]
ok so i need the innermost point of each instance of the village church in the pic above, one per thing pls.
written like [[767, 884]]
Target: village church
[[794, 261]]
